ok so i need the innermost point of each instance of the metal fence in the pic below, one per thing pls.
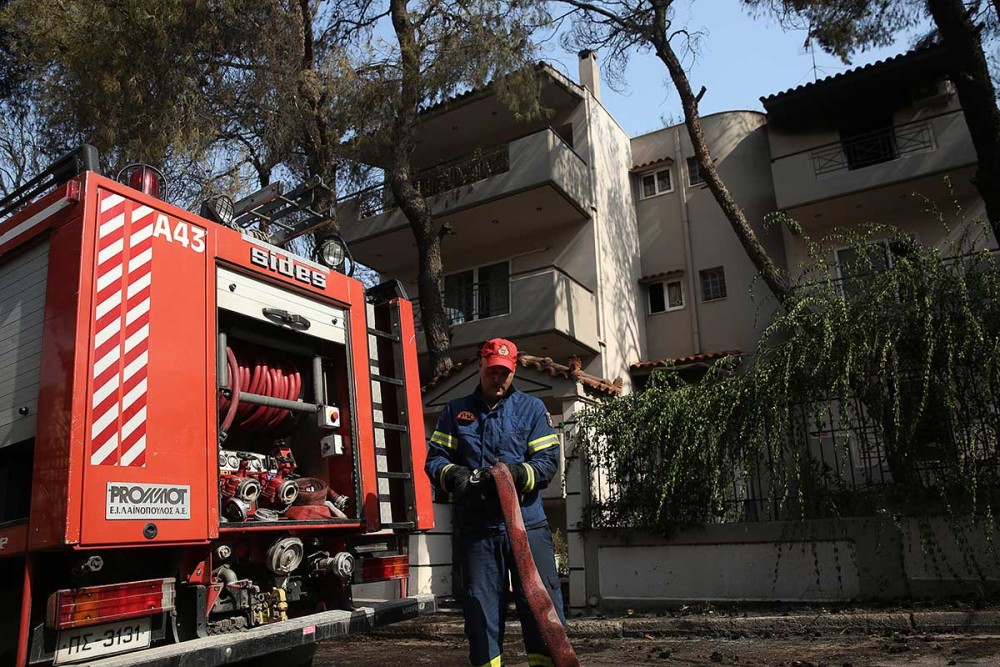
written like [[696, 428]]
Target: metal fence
[[833, 463], [872, 148]]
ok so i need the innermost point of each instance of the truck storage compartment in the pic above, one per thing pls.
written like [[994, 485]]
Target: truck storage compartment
[[287, 442], [23, 279]]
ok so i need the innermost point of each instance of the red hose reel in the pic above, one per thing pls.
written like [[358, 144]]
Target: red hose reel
[[264, 374]]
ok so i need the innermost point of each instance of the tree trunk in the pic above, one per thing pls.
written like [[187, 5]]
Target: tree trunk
[[430, 270], [751, 244], [971, 76], [437, 328], [316, 135]]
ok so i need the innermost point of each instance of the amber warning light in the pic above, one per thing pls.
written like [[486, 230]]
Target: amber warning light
[[384, 568]]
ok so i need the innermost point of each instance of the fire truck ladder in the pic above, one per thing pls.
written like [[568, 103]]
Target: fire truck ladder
[[394, 464]]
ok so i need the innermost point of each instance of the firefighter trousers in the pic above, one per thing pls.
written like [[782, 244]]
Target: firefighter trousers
[[488, 565]]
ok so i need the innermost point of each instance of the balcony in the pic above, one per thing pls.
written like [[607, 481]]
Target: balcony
[[432, 182], [893, 155], [534, 180], [547, 311]]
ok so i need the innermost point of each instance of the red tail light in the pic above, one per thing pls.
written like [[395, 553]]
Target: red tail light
[[384, 568], [74, 608]]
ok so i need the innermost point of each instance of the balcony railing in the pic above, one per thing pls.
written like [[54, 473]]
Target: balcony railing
[[872, 148], [446, 176], [474, 302]]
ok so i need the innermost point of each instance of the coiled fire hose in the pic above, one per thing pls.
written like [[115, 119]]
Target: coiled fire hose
[[265, 375], [539, 600]]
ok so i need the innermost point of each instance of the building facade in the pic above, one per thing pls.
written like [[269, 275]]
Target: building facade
[[605, 257]]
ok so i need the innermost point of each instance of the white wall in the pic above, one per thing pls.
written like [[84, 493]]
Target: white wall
[[609, 155], [727, 572]]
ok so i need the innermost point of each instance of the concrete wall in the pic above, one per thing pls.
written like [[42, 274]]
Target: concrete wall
[[814, 561], [795, 154], [617, 243], [738, 142], [431, 555]]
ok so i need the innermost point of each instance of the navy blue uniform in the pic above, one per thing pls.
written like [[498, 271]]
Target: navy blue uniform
[[470, 434]]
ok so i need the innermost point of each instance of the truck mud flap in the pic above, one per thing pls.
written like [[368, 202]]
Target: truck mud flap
[[257, 642]]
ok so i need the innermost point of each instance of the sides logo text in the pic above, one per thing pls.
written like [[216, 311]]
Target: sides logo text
[[287, 267]]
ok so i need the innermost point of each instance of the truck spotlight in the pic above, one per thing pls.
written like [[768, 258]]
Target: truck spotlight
[[332, 253], [218, 209]]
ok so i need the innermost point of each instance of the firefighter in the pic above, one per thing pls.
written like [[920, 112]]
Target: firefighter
[[497, 423]]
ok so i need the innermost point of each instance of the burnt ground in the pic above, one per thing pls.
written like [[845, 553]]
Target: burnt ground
[[791, 651]]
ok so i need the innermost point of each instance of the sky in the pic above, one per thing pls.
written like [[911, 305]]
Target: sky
[[740, 60]]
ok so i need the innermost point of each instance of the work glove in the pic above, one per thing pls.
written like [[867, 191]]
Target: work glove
[[456, 480], [520, 474]]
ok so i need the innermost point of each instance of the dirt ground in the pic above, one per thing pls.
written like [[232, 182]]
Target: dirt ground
[[838, 651]]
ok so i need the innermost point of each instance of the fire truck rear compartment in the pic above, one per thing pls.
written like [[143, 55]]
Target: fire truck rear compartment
[[287, 441]]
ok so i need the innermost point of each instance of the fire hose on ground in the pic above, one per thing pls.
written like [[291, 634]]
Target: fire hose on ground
[[539, 600]]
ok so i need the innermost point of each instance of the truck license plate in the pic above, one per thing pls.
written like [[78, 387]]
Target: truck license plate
[[100, 640]]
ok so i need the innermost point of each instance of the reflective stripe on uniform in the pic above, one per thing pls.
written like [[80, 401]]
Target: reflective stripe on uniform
[[444, 439], [444, 471], [530, 484], [497, 662], [539, 660], [541, 443]]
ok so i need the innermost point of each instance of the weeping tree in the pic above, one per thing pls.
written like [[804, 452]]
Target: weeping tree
[[435, 49], [843, 27], [619, 28], [892, 374]]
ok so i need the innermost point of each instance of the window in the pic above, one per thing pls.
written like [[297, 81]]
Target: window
[[713, 284], [477, 293], [869, 139], [655, 183], [666, 296], [855, 264], [694, 172]]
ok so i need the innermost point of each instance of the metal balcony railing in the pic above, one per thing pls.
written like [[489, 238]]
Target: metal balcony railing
[[446, 176], [864, 150], [474, 302]]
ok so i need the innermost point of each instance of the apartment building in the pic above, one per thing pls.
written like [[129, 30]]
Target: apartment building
[[605, 257], [884, 143]]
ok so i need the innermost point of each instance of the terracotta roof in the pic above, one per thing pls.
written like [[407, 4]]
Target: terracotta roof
[[438, 379], [914, 54], [690, 359], [572, 371], [663, 275], [653, 163]]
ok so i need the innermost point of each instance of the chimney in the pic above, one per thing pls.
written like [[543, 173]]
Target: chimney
[[590, 77]]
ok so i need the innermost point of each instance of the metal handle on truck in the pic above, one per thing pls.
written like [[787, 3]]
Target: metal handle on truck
[[292, 320]]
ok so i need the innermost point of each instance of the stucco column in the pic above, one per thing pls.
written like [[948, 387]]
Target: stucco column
[[577, 490]]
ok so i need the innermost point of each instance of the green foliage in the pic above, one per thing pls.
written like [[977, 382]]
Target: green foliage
[[843, 27], [224, 95], [879, 393]]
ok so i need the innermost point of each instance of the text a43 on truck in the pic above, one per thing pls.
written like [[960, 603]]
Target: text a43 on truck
[[202, 433]]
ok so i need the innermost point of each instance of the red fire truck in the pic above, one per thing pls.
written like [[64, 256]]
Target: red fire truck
[[206, 441]]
